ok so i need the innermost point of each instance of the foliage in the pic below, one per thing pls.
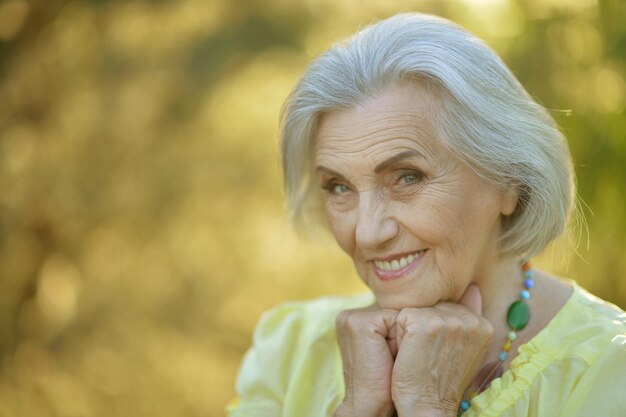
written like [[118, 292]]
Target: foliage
[[141, 218]]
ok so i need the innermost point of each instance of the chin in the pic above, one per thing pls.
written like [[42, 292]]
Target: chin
[[399, 301]]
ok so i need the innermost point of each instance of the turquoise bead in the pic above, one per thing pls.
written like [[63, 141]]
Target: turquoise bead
[[518, 315], [465, 405], [503, 355], [524, 294]]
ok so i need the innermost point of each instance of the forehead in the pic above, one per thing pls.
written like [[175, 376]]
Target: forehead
[[397, 119]]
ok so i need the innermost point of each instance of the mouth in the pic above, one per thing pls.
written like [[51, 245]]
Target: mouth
[[394, 268]]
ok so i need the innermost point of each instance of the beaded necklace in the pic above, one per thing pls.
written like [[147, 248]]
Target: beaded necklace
[[517, 318]]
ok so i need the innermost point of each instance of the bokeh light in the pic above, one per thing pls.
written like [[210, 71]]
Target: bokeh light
[[142, 225]]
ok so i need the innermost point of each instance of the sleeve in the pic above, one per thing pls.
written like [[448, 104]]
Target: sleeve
[[601, 391], [266, 368]]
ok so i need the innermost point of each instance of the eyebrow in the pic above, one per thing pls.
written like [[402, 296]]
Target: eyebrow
[[329, 171], [397, 158], [380, 167]]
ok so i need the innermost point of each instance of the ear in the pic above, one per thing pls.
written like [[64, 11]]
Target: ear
[[509, 202]]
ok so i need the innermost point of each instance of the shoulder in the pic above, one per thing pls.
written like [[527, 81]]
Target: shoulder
[[575, 367], [601, 345], [293, 345], [297, 333], [589, 342], [598, 308], [306, 319], [588, 326]]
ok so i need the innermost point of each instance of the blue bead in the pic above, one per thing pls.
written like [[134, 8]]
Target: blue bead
[[529, 283], [503, 356], [524, 294], [465, 405]]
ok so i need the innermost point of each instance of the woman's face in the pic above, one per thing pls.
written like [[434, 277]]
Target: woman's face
[[419, 225]]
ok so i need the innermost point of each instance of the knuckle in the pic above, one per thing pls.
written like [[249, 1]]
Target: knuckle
[[342, 318], [433, 324], [456, 323], [352, 322], [472, 321], [356, 322], [457, 326], [406, 313], [487, 329], [413, 320], [347, 319]]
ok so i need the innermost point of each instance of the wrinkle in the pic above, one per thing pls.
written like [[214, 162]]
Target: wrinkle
[[373, 135], [446, 209]]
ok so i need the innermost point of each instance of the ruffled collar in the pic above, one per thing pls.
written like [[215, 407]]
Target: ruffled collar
[[533, 356]]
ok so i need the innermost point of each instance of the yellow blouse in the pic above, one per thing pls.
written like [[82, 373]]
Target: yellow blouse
[[576, 366]]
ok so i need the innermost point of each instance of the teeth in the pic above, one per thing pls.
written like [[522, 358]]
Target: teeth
[[397, 263]]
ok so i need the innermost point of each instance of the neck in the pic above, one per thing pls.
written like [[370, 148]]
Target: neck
[[500, 286]]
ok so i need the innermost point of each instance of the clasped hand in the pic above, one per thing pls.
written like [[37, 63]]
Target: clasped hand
[[416, 360]]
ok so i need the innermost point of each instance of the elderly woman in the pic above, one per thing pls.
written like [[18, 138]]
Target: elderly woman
[[440, 177]]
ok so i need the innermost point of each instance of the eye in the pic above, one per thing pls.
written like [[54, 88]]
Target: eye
[[410, 177], [338, 188]]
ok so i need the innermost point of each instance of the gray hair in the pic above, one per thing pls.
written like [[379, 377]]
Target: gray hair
[[488, 120]]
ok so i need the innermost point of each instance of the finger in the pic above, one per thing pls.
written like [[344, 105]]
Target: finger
[[383, 320], [472, 299], [392, 340]]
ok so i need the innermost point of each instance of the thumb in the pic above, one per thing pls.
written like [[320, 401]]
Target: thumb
[[472, 299]]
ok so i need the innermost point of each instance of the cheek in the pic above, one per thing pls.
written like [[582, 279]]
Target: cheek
[[435, 218], [342, 229]]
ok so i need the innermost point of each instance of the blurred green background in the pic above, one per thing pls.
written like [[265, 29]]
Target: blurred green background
[[142, 225]]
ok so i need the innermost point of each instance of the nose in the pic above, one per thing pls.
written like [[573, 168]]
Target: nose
[[375, 225]]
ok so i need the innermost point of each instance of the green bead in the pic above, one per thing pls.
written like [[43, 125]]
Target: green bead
[[518, 315]]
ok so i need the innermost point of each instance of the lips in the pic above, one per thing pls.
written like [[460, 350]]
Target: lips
[[395, 268]]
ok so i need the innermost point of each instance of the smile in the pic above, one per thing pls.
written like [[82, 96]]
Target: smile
[[395, 268], [398, 263]]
